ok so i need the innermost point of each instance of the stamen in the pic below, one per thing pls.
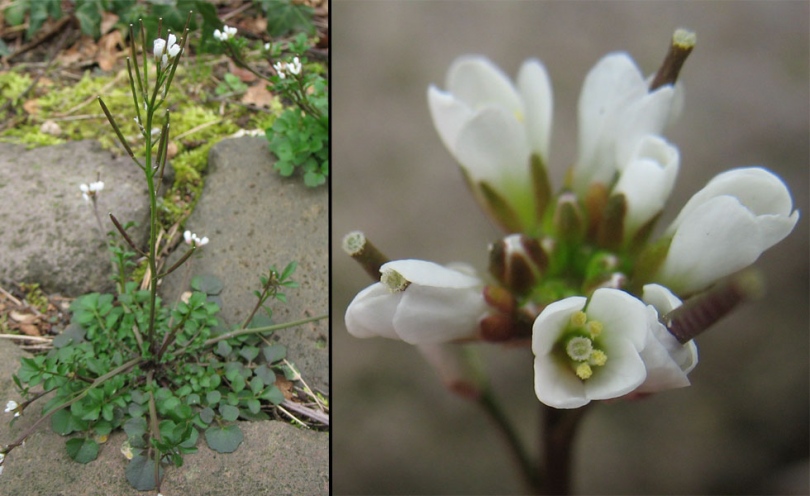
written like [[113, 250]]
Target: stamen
[[595, 328], [578, 319], [584, 371], [597, 358]]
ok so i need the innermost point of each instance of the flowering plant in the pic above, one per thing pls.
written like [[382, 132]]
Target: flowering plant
[[609, 309], [300, 135], [163, 374]]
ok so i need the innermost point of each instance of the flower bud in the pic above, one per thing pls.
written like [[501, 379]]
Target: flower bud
[[569, 221], [517, 262]]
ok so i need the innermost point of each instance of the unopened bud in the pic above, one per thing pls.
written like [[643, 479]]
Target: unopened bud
[[569, 222], [500, 299], [517, 262], [498, 327]]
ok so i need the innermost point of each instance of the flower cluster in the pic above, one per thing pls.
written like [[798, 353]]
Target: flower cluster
[[226, 34], [579, 274], [166, 50], [288, 68], [193, 240], [90, 191]]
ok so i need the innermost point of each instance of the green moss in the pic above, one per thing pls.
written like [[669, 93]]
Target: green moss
[[12, 85], [209, 122]]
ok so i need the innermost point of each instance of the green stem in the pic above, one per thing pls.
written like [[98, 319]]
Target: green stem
[[531, 477], [559, 430], [99, 381], [258, 330]]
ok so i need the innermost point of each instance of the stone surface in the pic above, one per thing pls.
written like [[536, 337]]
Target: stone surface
[[254, 219], [48, 233], [744, 421]]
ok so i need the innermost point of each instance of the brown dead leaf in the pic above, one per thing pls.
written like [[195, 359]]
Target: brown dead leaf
[[285, 386], [30, 330], [31, 107], [108, 21], [244, 75], [258, 95], [108, 50], [22, 318]]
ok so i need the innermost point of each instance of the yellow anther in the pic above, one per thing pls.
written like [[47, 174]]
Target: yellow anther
[[598, 358], [584, 371], [595, 328], [578, 319]]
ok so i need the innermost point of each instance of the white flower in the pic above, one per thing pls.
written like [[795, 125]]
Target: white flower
[[593, 353], [267, 46], [226, 33], [166, 50], [193, 240], [12, 406], [159, 46], [90, 191], [725, 227], [295, 67], [616, 110], [493, 128], [646, 181], [418, 302]]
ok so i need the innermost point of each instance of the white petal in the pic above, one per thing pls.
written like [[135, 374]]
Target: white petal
[[371, 313], [716, 239], [491, 147], [426, 273], [623, 372], [647, 181], [613, 83], [756, 188], [428, 315], [644, 116], [477, 82], [623, 316], [551, 321], [661, 298], [535, 89], [158, 47], [556, 388], [449, 116]]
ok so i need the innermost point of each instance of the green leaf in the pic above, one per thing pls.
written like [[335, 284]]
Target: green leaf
[[223, 349], [207, 415], [274, 353], [223, 439], [288, 270], [213, 397], [141, 473], [273, 394], [254, 405], [89, 16], [135, 427], [74, 333], [15, 13], [228, 412], [82, 450], [207, 283], [249, 353], [64, 423]]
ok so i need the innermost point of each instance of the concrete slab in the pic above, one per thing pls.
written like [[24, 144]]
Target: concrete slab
[[48, 233]]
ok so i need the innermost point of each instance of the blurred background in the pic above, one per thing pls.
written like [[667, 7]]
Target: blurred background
[[742, 427]]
